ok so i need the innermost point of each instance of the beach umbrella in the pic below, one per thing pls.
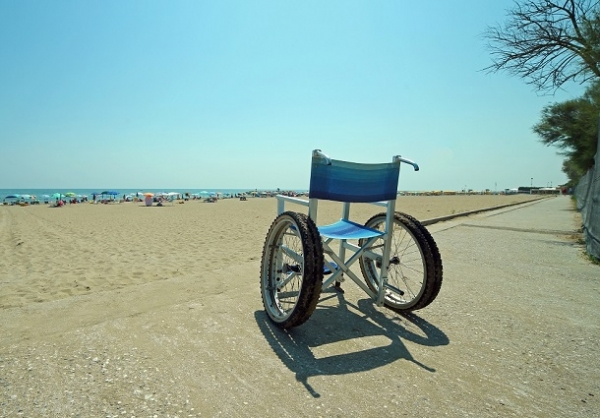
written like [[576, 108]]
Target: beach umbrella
[[57, 196], [70, 194], [13, 196], [25, 196], [109, 193], [148, 194]]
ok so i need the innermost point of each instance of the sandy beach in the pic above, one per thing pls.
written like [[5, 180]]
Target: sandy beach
[[125, 310], [53, 253]]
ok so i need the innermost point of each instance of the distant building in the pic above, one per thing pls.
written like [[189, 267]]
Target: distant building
[[539, 190]]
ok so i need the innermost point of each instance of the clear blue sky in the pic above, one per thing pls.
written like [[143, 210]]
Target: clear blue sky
[[236, 94]]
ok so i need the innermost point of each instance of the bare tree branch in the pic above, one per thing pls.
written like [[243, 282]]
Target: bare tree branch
[[548, 42]]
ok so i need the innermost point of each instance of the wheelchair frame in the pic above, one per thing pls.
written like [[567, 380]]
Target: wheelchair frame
[[295, 271]]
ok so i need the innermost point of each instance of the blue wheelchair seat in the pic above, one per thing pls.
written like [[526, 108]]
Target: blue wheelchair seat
[[345, 229]]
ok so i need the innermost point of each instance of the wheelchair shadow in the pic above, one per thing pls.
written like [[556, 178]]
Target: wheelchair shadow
[[347, 321]]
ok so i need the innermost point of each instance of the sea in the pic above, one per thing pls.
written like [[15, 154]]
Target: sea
[[40, 194]]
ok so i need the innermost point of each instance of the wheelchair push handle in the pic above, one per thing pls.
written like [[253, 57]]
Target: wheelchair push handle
[[320, 154], [407, 161]]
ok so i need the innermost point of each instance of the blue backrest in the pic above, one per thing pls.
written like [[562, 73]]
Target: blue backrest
[[344, 181]]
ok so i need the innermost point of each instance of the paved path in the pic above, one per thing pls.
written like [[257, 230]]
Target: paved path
[[515, 331], [527, 300]]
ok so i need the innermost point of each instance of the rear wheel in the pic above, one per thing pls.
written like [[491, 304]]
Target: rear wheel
[[291, 269], [415, 267]]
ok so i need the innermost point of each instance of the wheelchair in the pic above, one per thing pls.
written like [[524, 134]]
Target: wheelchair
[[398, 258]]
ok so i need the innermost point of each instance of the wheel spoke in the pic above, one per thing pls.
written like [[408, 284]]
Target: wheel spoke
[[284, 278], [291, 254], [408, 273]]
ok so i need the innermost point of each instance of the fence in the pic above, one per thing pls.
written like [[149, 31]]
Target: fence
[[587, 194]]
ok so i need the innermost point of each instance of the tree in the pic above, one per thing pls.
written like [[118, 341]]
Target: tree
[[572, 126], [548, 42]]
